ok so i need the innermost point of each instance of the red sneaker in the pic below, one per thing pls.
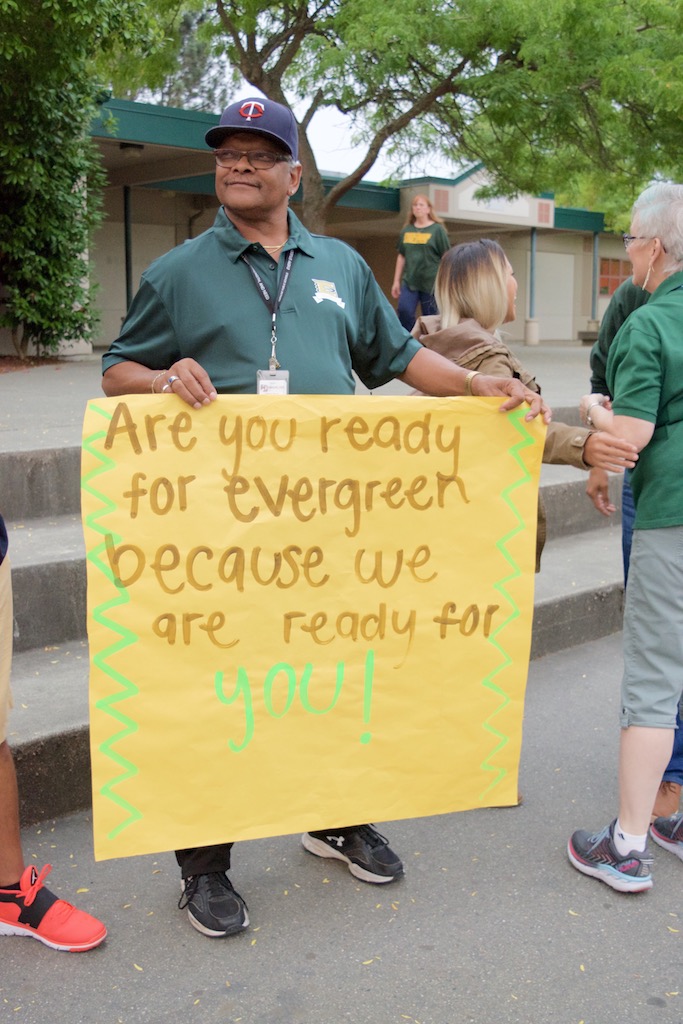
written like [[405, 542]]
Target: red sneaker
[[34, 910]]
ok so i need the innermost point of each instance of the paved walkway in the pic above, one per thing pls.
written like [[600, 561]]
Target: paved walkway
[[42, 407]]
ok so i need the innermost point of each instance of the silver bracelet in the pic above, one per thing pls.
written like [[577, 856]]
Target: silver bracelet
[[589, 419]]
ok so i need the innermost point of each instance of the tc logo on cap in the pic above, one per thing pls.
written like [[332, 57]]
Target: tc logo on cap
[[251, 109]]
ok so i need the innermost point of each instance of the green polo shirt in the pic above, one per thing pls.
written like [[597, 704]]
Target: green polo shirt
[[201, 301], [645, 374], [627, 297]]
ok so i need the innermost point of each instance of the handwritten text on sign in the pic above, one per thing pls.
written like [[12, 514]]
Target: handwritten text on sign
[[303, 612]]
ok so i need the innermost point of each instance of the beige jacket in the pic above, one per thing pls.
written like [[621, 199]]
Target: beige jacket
[[474, 348]]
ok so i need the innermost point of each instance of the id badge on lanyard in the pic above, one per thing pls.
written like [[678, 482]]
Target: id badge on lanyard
[[274, 380]]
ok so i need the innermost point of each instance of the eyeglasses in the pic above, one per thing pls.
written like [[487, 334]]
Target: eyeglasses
[[260, 159], [632, 238]]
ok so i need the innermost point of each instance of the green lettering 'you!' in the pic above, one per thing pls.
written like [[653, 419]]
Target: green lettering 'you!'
[[281, 686]]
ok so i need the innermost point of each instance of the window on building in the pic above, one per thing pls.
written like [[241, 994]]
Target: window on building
[[612, 274]]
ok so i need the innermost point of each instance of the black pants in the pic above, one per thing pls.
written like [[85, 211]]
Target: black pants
[[203, 860]]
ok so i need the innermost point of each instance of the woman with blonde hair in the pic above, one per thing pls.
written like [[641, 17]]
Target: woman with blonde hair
[[421, 244], [476, 291]]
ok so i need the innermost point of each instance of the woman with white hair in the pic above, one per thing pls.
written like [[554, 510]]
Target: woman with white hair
[[645, 376]]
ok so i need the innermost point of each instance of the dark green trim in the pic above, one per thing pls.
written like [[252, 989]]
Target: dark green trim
[[144, 122], [425, 179], [368, 196], [462, 177], [202, 185], [568, 219]]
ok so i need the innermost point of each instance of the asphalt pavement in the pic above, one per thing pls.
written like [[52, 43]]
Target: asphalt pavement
[[490, 925]]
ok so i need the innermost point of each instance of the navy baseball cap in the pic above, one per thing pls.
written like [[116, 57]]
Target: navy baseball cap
[[258, 115]]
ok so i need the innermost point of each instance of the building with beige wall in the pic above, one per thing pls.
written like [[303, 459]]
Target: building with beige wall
[[160, 191]]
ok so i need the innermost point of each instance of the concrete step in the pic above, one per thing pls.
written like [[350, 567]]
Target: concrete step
[[40, 482], [578, 599], [48, 581], [579, 591], [48, 562], [46, 481], [567, 414], [568, 509], [48, 730]]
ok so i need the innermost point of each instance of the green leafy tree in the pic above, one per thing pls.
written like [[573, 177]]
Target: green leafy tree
[[49, 168], [184, 71], [581, 97]]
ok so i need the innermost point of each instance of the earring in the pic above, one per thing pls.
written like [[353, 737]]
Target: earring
[[647, 277]]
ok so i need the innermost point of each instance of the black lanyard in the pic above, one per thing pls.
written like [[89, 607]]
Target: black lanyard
[[272, 305]]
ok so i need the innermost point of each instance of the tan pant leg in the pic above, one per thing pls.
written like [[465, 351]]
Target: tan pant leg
[[6, 631]]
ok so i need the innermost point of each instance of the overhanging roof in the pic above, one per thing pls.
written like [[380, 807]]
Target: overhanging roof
[[147, 123]]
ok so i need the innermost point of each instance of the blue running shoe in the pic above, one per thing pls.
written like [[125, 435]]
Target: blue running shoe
[[594, 854], [668, 832]]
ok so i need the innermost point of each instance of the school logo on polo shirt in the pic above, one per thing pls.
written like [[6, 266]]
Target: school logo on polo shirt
[[326, 290]]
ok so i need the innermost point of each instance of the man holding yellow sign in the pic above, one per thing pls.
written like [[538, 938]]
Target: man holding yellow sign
[[258, 305]]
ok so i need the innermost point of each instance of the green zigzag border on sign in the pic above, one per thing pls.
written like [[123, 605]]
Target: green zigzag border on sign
[[516, 417], [127, 637]]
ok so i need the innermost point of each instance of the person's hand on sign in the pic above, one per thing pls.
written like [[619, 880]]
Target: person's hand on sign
[[189, 381], [492, 387], [432, 374], [185, 378]]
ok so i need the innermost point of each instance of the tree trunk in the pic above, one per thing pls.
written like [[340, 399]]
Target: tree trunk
[[315, 207], [20, 340]]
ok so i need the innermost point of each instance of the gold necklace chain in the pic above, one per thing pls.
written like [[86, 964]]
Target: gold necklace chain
[[273, 248]]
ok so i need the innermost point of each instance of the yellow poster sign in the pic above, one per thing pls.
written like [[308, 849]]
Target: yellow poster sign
[[304, 612]]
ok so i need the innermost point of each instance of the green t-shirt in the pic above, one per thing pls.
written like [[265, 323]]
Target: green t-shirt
[[645, 375], [422, 249], [201, 301]]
